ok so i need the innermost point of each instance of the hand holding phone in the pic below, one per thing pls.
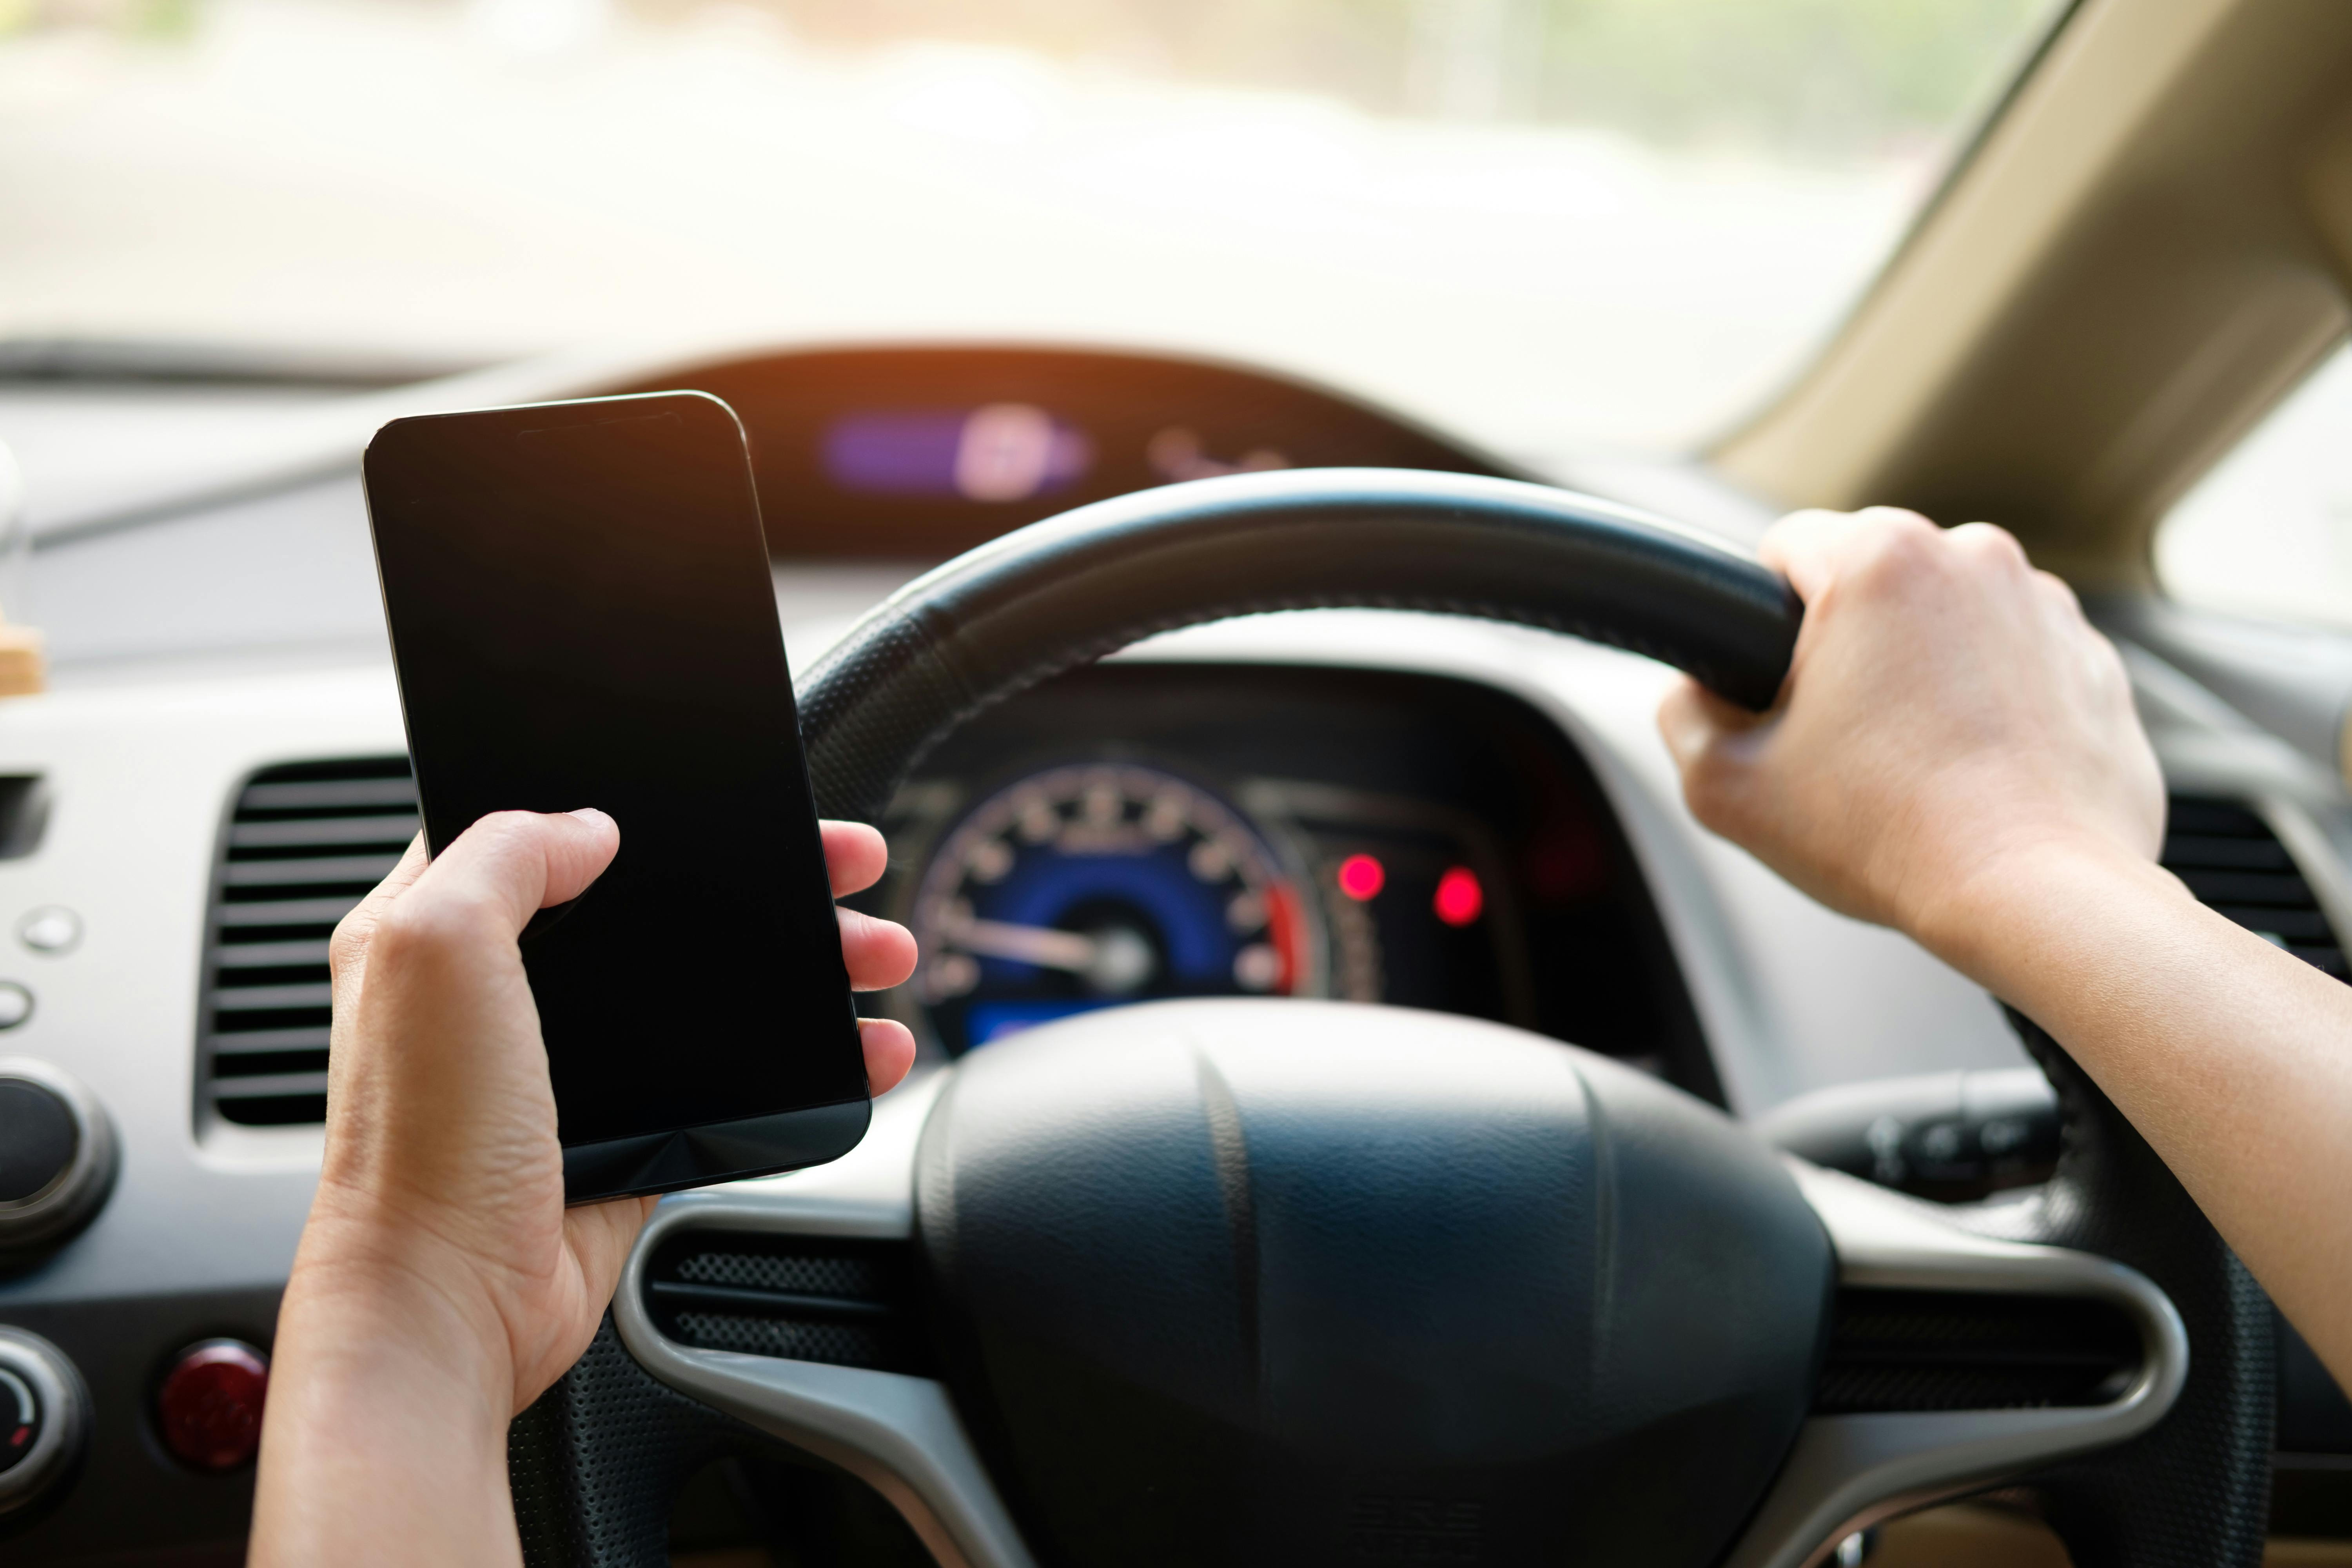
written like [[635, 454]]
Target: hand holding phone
[[583, 615], [442, 1284]]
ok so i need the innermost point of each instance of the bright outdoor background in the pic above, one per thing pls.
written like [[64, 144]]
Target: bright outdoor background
[[1551, 223], [2268, 533]]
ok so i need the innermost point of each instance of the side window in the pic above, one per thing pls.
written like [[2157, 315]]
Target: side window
[[2269, 531]]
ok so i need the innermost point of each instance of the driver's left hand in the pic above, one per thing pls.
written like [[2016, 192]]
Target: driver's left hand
[[440, 1274]]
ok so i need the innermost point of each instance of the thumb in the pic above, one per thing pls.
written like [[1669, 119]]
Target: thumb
[[521, 862]]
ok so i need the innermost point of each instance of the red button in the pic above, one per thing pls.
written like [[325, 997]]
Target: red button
[[209, 1407]]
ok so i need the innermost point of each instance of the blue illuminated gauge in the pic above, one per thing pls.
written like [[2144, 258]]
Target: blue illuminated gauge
[[1097, 885]]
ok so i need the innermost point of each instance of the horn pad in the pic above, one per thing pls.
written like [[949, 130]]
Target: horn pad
[[1241, 1282]]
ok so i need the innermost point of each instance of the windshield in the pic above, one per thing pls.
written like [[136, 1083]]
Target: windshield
[[1551, 223]]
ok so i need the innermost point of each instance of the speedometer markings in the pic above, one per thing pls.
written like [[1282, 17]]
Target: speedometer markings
[[1088, 886]]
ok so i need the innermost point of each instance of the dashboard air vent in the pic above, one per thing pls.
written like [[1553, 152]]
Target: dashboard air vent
[[845, 1303], [1949, 1349], [2236, 865], [305, 843]]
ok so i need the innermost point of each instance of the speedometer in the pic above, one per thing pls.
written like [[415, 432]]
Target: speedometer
[[1095, 885]]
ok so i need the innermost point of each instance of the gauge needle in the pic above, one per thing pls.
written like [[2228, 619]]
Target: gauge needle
[[1114, 963], [1041, 946]]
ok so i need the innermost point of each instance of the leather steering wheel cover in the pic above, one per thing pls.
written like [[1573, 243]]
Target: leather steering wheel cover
[[597, 1461], [1063, 591]]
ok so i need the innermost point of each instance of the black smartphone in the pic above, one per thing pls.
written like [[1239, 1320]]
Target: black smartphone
[[581, 614]]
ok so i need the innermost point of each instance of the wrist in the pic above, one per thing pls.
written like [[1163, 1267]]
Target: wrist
[[375, 1297], [2011, 915], [385, 1437]]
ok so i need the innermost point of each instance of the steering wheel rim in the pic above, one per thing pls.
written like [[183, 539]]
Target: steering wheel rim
[[596, 1462]]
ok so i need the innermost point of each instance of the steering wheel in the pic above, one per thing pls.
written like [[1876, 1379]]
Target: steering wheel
[[1243, 1282]]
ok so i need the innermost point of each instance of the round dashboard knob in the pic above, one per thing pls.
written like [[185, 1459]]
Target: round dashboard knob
[[57, 1157], [44, 1416]]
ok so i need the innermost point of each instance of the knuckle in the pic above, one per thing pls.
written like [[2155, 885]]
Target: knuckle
[[1990, 545], [506, 829], [2058, 590], [351, 941], [1900, 520], [428, 930], [1899, 547]]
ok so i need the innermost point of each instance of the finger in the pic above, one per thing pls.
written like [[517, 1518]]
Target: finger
[[854, 856], [890, 1052], [1990, 543], [519, 862], [1803, 547], [2060, 596], [1809, 547], [878, 954], [348, 950]]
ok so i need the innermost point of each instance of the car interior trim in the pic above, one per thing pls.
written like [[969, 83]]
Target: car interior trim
[[901, 1434], [2115, 283], [1848, 1472]]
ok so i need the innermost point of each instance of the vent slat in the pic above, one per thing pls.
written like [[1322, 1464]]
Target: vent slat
[[332, 868], [271, 1086], [254, 1042], [2262, 888], [271, 954], [368, 831], [345, 793], [2226, 854], [272, 998], [2229, 858], [285, 913], [304, 843]]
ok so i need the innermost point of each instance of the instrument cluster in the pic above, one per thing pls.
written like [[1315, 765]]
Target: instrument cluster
[[1131, 832]]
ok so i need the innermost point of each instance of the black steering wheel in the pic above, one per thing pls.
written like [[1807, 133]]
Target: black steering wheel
[[1244, 1282]]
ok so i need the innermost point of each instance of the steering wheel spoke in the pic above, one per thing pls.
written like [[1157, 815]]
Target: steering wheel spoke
[[898, 1432], [1851, 1469]]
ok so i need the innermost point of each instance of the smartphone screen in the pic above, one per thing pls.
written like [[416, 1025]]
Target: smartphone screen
[[581, 614]]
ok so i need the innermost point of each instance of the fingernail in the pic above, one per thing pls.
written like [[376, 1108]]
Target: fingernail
[[589, 814]]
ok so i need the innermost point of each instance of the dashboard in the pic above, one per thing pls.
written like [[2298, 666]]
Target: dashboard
[[927, 451], [1418, 811], [1130, 833]]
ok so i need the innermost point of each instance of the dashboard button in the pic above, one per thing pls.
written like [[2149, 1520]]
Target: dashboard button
[[20, 1420], [44, 1417], [209, 1406], [38, 1137], [56, 1158], [52, 929]]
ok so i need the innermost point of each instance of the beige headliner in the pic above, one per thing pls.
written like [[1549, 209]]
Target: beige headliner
[[2149, 246]]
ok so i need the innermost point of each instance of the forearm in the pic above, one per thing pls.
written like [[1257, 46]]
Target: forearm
[[2232, 1057], [385, 1441]]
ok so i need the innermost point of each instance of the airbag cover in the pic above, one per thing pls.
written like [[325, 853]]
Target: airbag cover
[[1290, 1282]]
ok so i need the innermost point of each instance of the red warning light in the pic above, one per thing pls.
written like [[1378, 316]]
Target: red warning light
[[1361, 877], [1460, 899]]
